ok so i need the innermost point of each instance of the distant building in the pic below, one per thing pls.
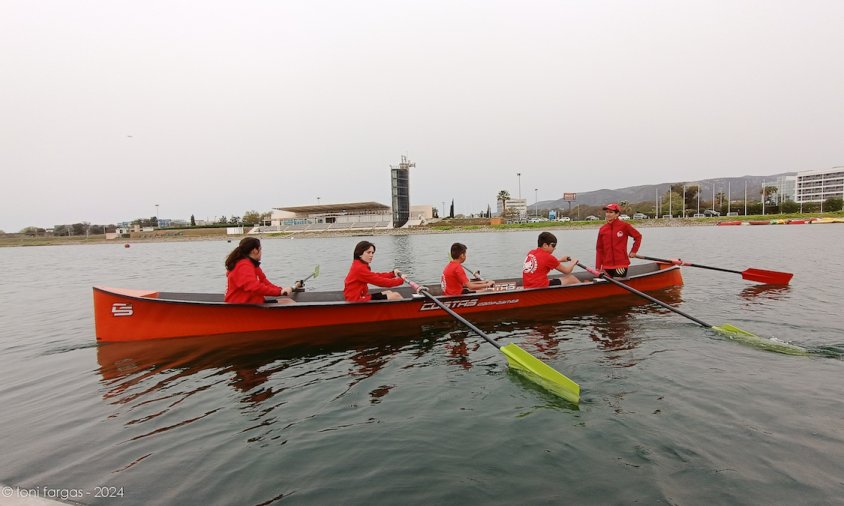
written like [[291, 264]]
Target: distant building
[[819, 185], [786, 188], [400, 185], [517, 206], [348, 216]]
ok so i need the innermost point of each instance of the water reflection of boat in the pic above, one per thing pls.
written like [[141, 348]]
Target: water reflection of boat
[[134, 315]]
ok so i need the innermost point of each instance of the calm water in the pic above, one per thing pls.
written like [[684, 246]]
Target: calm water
[[671, 412]]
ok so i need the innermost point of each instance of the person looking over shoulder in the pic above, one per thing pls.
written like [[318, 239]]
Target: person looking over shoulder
[[611, 251], [454, 280], [246, 282], [540, 261], [361, 276]]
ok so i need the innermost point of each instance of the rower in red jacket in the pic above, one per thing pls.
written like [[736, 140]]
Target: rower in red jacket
[[611, 251], [361, 276], [246, 282]]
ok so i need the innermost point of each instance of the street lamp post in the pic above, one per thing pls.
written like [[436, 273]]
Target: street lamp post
[[156, 216], [519, 175], [536, 202], [698, 199]]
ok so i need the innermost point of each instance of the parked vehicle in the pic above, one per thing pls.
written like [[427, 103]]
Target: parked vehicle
[[624, 217], [563, 218], [699, 215], [640, 216], [711, 212], [592, 218]]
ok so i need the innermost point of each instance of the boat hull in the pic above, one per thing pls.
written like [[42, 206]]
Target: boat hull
[[138, 315]]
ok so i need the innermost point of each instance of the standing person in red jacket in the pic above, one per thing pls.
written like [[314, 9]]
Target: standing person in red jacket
[[247, 283], [611, 251], [454, 281], [361, 276], [540, 261]]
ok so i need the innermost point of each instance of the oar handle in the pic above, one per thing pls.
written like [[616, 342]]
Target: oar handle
[[642, 294], [424, 291], [475, 274], [686, 264], [301, 282]]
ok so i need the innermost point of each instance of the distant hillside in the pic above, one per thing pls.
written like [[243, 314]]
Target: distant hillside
[[647, 193]]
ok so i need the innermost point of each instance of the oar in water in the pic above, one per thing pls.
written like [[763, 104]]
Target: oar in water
[[730, 331], [539, 372], [750, 274], [300, 285]]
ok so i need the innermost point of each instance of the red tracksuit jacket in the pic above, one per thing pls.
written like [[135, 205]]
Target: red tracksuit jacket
[[611, 250]]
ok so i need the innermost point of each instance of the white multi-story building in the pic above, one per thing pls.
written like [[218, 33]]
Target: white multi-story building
[[819, 185], [518, 206]]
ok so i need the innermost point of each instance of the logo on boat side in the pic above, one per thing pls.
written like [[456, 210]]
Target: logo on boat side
[[451, 304], [121, 309]]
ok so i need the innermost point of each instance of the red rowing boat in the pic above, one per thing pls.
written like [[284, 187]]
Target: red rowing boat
[[136, 315]]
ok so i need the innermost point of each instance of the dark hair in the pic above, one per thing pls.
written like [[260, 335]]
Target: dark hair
[[457, 249], [360, 248], [546, 238], [247, 244]]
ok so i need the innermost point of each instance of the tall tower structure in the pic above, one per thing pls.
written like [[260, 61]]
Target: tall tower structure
[[400, 179]]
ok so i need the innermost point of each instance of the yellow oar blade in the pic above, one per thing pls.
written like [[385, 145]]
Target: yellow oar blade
[[745, 337], [541, 373]]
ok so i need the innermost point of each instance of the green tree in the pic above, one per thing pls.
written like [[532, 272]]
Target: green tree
[[251, 218], [790, 206], [503, 197], [833, 204], [234, 220], [223, 220], [770, 194], [192, 221]]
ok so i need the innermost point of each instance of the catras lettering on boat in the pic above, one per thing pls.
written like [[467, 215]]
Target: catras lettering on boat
[[451, 304]]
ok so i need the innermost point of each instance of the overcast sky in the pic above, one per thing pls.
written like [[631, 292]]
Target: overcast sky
[[213, 108]]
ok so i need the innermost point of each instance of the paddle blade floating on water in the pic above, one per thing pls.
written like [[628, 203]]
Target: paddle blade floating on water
[[541, 373], [745, 337]]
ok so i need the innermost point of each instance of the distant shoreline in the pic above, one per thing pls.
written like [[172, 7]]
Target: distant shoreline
[[444, 227]]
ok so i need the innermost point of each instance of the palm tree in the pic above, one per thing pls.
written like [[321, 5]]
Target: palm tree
[[503, 197]]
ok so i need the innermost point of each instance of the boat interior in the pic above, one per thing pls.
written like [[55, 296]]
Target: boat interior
[[406, 291]]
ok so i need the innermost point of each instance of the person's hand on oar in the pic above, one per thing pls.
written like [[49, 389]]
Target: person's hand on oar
[[537, 371], [730, 331], [299, 286], [750, 274]]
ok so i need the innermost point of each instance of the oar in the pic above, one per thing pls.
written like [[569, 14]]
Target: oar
[[301, 282], [475, 274], [539, 372], [730, 330], [750, 274]]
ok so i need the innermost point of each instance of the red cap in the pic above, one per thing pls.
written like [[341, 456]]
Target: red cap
[[612, 207]]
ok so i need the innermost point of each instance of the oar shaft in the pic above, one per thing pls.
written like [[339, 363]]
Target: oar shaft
[[476, 330], [687, 264], [644, 295], [478, 273]]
